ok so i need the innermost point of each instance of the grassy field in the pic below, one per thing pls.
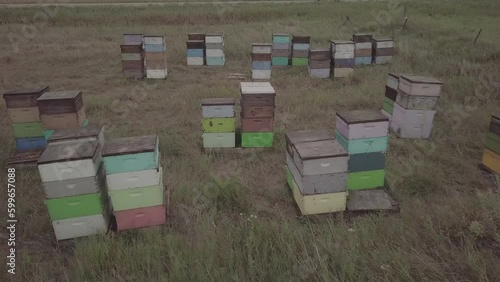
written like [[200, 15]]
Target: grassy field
[[232, 216], [117, 1]]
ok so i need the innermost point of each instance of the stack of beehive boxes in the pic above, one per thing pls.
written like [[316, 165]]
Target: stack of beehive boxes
[[342, 58], [133, 56], [214, 48], [74, 183], [156, 60], [281, 49], [25, 118], [383, 50], [316, 171], [363, 46], [196, 49], [491, 155], [257, 114], [135, 181], [319, 63], [415, 106], [364, 135], [61, 109], [218, 122], [300, 50], [261, 61], [391, 92]]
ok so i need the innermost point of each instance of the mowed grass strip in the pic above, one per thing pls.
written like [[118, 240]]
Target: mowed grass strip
[[232, 216]]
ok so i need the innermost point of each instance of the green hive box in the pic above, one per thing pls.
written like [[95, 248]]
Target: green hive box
[[76, 206], [493, 142], [362, 145], [48, 133], [218, 125], [365, 179], [257, 140], [281, 39], [300, 62], [28, 129], [388, 105], [137, 197], [280, 61]]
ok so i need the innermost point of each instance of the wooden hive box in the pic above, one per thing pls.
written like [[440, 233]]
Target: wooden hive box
[[131, 154], [362, 124], [24, 98], [303, 136], [257, 94], [301, 39], [196, 36], [75, 186], [320, 157], [261, 48], [317, 184], [60, 102], [63, 161], [495, 124], [90, 133], [420, 85], [383, 42], [362, 37], [217, 107], [139, 197], [154, 39], [82, 226], [133, 38]]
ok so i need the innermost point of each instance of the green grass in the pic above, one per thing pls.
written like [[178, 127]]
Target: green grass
[[232, 218]]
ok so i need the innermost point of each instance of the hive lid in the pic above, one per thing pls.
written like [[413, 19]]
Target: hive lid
[[130, 145], [339, 42], [281, 34], [259, 88], [28, 91], [217, 101], [382, 39], [60, 95], [134, 34], [215, 34], [496, 117], [421, 79], [320, 149], [75, 133], [262, 45], [71, 151], [154, 36], [362, 116], [303, 136]]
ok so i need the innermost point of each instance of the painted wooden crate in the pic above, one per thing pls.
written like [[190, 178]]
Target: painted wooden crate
[[137, 197], [365, 179], [317, 184], [21, 115], [362, 124], [419, 85], [304, 136], [218, 125], [30, 143], [24, 98], [320, 157], [61, 121], [363, 145], [217, 107], [60, 102], [219, 140], [27, 129], [491, 160], [257, 139], [131, 154], [81, 226], [76, 186], [366, 162], [319, 203], [76, 206], [63, 161], [140, 217]]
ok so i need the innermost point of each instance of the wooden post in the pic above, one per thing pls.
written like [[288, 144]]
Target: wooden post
[[404, 25], [477, 36]]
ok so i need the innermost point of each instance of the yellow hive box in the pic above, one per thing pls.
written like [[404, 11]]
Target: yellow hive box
[[491, 160], [319, 203]]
